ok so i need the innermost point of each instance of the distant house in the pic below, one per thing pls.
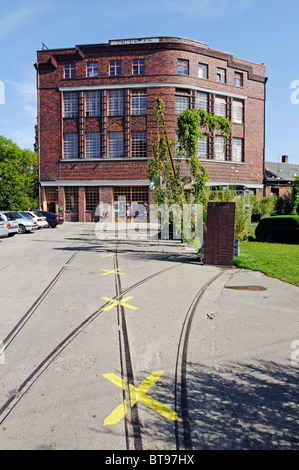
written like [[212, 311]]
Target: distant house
[[279, 176]]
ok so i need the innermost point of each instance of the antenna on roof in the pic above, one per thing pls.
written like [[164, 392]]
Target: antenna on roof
[[44, 47]]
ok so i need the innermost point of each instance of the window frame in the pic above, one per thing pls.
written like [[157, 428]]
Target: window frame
[[93, 100], [92, 198], [221, 75], [204, 69], [115, 105], [238, 81], [93, 144], [180, 96], [182, 67], [92, 67], [71, 146], [237, 157], [203, 143], [138, 102], [236, 112], [69, 71], [220, 106], [138, 145], [70, 104], [115, 146], [222, 155], [198, 101], [115, 65], [138, 67]]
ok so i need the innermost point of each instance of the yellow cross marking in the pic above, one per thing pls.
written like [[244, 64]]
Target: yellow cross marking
[[121, 302], [138, 394], [106, 256], [115, 271]]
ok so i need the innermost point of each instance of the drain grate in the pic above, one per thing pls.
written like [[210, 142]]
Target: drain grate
[[255, 288]]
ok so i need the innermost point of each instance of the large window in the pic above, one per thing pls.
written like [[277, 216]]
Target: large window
[[70, 104], [93, 103], [238, 150], [115, 102], [202, 71], [220, 147], [221, 75], [92, 197], [182, 100], [71, 198], [115, 145], [92, 69], [138, 67], [115, 68], [139, 144], [220, 106], [70, 71], [238, 111], [70, 146], [138, 102], [93, 145], [202, 101], [203, 147], [183, 67]]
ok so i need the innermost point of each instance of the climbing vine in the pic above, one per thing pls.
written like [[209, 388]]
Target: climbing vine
[[192, 125]]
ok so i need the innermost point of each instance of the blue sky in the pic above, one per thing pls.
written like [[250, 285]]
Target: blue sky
[[261, 31]]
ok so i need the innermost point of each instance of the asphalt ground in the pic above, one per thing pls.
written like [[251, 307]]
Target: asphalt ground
[[136, 345]]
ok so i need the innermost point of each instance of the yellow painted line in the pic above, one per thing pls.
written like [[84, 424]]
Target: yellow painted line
[[106, 271], [106, 246], [121, 302], [106, 256], [138, 395]]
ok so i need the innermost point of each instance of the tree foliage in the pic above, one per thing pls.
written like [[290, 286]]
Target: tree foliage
[[18, 177]]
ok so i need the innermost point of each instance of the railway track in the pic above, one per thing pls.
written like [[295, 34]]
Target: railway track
[[133, 434]]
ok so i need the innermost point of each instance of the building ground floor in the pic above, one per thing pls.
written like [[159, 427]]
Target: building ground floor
[[91, 201]]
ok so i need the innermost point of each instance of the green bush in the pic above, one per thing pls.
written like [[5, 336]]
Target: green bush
[[280, 229], [262, 207]]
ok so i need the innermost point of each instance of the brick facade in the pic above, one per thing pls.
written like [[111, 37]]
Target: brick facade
[[160, 78]]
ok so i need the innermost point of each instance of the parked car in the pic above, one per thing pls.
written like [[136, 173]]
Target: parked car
[[3, 228], [26, 223], [11, 222], [41, 220], [279, 229], [52, 219]]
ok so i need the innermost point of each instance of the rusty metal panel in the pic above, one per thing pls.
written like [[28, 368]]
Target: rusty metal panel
[[219, 243]]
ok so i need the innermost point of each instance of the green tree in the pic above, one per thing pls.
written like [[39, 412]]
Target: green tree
[[18, 177]]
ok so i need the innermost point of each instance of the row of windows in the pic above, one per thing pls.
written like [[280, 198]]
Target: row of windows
[[139, 146], [138, 68], [115, 145], [182, 102], [92, 68], [203, 72], [115, 103], [220, 149], [139, 104]]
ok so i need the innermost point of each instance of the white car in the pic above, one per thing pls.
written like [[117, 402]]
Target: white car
[[12, 226], [39, 219], [26, 223], [3, 228]]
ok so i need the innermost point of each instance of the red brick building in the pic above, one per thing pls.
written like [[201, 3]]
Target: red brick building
[[97, 121]]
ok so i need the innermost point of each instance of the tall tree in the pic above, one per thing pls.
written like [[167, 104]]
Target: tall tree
[[18, 177]]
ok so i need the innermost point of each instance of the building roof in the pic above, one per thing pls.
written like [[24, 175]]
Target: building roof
[[281, 173]]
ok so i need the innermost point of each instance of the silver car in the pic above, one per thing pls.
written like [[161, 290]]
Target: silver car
[[11, 223], [26, 223], [3, 228], [40, 219]]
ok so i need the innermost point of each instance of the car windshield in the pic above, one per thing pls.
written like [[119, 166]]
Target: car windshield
[[25, 214]]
